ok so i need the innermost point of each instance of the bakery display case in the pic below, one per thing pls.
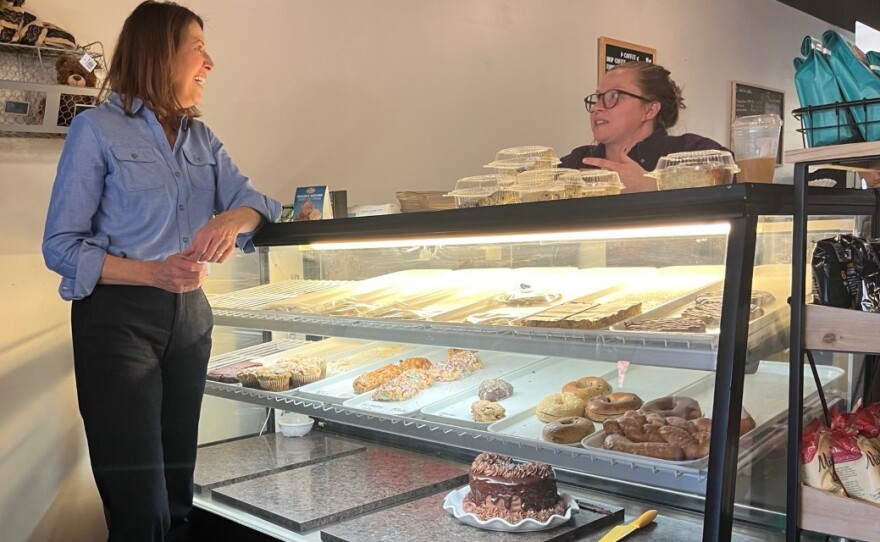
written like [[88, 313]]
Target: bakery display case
[[474, 330]]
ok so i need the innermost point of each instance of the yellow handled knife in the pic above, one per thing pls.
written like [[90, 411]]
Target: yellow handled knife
[[622, 531]]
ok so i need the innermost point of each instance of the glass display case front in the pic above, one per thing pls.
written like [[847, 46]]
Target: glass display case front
[[645, 358]]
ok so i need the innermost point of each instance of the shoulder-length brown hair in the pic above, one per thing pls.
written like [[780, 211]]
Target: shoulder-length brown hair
[[143, 62]]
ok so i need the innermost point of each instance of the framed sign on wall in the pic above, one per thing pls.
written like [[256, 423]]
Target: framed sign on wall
[[747, 99], [613, 52]]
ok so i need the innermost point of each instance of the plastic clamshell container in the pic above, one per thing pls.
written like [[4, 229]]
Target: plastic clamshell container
[[693, 169], [515, 160], [491, 180], [532, 152], [295, 425], [474, 197], [590, 183]]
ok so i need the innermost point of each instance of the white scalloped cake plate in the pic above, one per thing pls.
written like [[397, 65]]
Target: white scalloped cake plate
[[453, 504]]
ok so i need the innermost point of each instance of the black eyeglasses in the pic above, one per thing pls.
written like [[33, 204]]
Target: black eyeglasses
[[609, 98]]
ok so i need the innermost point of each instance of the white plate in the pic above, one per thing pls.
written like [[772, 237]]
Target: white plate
[[453, 504]]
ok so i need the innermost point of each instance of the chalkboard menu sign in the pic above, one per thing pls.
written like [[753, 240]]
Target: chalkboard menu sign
[[613, 52], [748, 99]]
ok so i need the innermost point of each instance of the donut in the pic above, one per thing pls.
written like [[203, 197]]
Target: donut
[[559, 405], [588, 387], [568, 430], [495, 389], [612, 405], [679, 407], [659, 450]]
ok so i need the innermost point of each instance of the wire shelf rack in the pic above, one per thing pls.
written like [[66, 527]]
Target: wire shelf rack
[[32, 103]]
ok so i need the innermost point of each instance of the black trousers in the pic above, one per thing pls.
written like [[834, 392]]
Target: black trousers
[[140, 358]]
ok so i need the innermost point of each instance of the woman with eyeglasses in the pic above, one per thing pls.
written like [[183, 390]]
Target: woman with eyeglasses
[[630, 112]]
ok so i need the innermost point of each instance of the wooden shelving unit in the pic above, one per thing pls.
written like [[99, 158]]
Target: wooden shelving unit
[[827, 513], [816, 327], [841, 330]]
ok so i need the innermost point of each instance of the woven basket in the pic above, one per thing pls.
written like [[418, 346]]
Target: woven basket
[[414, 202]]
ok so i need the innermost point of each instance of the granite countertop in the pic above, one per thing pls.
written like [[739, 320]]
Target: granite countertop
[[248, 458], [330, 491], [336, 489]]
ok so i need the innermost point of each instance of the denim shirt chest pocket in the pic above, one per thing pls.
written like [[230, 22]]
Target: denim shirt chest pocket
[[201, 165], [139, 168]]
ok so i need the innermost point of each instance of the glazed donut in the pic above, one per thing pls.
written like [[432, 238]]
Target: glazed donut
[[568, 430], [559, 405], [659, 450], [612, 405], [679, 407], [633, 427], [694, 446], [588, 387], [703, 424]]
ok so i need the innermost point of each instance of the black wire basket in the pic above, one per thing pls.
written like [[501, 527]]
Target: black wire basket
[[834, 124]]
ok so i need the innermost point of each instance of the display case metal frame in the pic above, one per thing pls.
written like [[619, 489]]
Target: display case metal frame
[[739, 205]]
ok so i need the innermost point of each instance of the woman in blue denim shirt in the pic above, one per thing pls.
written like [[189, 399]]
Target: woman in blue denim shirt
[[144, 198]]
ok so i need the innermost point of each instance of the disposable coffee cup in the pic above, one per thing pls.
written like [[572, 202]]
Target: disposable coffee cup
[[755, 144]]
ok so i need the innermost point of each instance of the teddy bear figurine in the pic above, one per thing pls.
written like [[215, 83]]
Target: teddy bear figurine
[[68, 71]]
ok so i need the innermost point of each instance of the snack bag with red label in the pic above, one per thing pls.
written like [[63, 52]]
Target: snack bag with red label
[[817, 469], [857, 463], [867, 420]]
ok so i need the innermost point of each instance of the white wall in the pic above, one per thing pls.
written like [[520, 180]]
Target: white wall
[[371, 97]]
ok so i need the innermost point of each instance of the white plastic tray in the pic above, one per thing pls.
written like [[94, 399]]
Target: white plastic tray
[[775, 279], [321, 349], [309, 302], [569, 283], [495, 365], [646, 382], [530, 383], [765, 397], [339, 388]]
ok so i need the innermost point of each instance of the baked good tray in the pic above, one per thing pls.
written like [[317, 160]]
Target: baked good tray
[[529, 386], [339, 388], [768, 333], [646, 382], [342, 354], [561, 285], [276, 292], [369, 289], [761, 398], [495, 365]]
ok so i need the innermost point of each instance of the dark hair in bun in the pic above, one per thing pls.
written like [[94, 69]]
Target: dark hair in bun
[[656, 85]]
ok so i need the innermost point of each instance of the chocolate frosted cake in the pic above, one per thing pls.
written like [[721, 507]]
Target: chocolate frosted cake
[[501, 488]]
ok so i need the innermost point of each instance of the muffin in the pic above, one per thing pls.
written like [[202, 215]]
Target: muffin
[[248, 377], [274, 378], [306, 371]]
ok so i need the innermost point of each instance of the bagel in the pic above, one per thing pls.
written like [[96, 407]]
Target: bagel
[[559, 405], [612, 405], [588, 387], [678, 407], [568, 430]]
